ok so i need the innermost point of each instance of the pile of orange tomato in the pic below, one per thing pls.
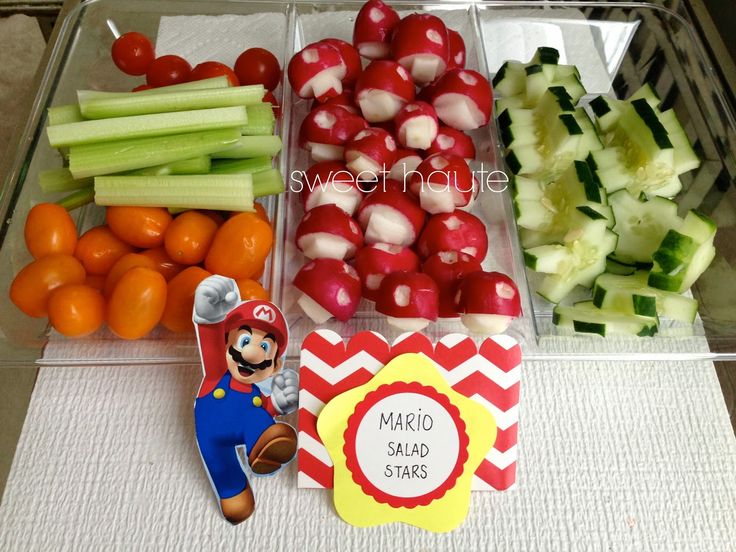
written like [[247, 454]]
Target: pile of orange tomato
[[139, 269]]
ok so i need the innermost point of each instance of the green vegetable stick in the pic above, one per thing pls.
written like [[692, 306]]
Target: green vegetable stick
[[204, 84], [145, 126], [165, 102], [126, 155], [77, 199], [61, 180], [196, 165], [261, 120], [62, 114], [251, 146], [220, 192], [241, 166]]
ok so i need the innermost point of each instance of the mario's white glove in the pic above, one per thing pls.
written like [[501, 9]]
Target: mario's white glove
[[214, 298], [285, 391]]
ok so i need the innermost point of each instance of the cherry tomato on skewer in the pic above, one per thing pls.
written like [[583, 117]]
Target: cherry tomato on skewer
[[133, 53]]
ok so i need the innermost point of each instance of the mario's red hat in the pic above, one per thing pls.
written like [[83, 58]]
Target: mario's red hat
[[260, 315]]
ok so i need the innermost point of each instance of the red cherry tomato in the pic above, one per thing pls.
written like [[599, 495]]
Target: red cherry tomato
[[211, 69], [269, 97], [258, 66], [142, 87], [133, 53], [167, 70]]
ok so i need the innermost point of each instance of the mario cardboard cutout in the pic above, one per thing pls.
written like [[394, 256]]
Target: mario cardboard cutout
[[241, 344]]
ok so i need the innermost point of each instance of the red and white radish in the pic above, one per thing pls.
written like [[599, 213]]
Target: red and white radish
[[376, 260], [328, 232], [407, 160], [330, 183], [370, 152], [326, 129], [456, 231], [343, 100], [420, 44], [442, 183], [463, 99], [373, 27], [350, 56], [447, 268], [487, 302], [317, 72], [452, 141], [329, 287], [389, 215], [382, 89], [457, 50], [416, 125], [410, 300]]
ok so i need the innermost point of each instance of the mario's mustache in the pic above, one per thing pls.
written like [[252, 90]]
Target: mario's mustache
[[243, 364]]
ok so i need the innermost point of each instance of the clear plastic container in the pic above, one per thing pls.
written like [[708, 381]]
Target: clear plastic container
[[617, 46]]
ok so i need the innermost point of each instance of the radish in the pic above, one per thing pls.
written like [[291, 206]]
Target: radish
[[416, 125], [389, 215], [376, 260], [463, 99], [330, 182], [447, 268], [326, 129], [329, 287], [369, 153], [317, 72], [487, 302], [420, 43], [456, 231], [328, 232], [382, 90], [442, 183], [410, 300], [373, 27]]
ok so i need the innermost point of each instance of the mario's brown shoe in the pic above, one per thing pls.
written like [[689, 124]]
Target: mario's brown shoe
[[274, 448], [238, 508]]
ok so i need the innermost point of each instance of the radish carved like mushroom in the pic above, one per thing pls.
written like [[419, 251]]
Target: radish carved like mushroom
[[343, 100], [350, 57], [442, 183], [329, 287], [376, 260], [389, 215], [456, 231], [416, 125], [447, 268], [382, 89], [326, 129], [410, 300], [370, 152], [487, 302], [328, 232], [452, 141], [330, 182], [463, 99], [457, 50], [317, 72], [420, 44], [407, 161], [373, 27]]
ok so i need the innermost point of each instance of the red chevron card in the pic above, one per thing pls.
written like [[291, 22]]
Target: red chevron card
[[489, 374]]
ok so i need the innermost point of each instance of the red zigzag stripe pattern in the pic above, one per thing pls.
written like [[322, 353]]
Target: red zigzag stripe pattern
[[489, 374]]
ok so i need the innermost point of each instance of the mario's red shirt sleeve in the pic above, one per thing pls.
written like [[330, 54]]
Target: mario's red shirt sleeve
[[268, 405], [211, 339]]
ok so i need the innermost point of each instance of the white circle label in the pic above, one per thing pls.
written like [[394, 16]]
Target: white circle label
[[407, 445]]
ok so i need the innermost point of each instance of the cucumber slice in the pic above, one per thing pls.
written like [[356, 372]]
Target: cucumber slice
[[518, 135], [641, 225], [631, 295], [546, 54], [527, 188], [606, 111], [685, 157], [506, 102], [639, 128], [682, 280], [648, 94], [604, 158], [614, 266], [510, 79], [584, 317], [516, 116], [525, 160]]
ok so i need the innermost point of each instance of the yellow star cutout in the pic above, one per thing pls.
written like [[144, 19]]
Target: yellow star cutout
[[405, 446]]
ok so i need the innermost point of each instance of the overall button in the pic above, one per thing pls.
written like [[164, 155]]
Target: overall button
[[257, 401], [218, 393]]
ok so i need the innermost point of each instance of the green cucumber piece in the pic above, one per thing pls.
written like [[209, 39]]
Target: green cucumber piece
[[584, 317]]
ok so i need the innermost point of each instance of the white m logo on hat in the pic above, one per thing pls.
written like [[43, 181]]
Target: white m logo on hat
[[265, 313]]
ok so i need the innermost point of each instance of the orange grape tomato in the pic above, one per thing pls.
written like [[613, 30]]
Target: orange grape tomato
[[261, 212], [139, 226], [96, 281], [49, 229], [32, 286], [123, 265], [137, 303], [177, 315], [251, 289], [76, 310], [189, 236], [98, 249], [218, 216], [163, 262], [240, 247]]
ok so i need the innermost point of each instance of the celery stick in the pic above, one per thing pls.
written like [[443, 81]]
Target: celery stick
[[241, 166], [221, 192], [204, 84], [62, 114], [77, 199], [165, 102], [126, 155], [261, 120], [196, 165], [61, 180], [251, 146], [146, 126]]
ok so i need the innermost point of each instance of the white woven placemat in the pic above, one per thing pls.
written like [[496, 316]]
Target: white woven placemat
[[613, 456]]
